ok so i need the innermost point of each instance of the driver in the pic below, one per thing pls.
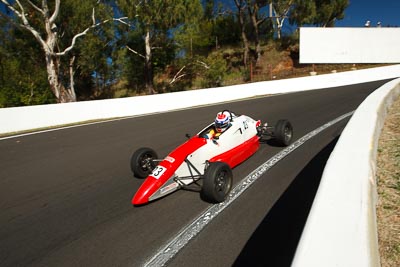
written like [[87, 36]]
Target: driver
[[221, 124]]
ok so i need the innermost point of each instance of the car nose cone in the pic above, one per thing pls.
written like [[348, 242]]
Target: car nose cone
[[147, 189]]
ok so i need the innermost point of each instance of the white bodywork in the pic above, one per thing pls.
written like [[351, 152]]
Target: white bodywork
[[242, 129]]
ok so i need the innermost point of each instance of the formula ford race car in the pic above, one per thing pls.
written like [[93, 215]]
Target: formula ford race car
[[205, 162]]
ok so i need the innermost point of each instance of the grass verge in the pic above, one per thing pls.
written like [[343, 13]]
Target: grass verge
[[388, 178]]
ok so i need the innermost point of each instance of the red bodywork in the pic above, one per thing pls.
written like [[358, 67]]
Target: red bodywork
[[240, 153], [232, 157], [151, 184]]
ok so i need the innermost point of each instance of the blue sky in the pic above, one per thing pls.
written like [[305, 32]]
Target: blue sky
[[359, 11]]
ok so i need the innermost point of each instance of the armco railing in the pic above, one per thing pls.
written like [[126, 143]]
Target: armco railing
[[35, 117], [341, 228]]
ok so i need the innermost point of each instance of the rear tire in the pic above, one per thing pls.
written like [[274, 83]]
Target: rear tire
[[142, 162], [283, 132], [217, 182]]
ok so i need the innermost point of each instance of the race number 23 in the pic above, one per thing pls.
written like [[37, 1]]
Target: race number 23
[[158, 171]]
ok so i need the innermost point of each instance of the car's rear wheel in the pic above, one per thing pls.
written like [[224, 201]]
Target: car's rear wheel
[[142, 162], [217, 182], [283, 132]]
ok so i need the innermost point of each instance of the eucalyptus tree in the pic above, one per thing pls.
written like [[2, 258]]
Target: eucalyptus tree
[[303, 12], [241, 14], [251, 16], [156, 18], [321, 13], [196, 34], [210, 29], [44, 23], [22, 71], [90, 64], [279, 11], [253, 7], [329, 11]]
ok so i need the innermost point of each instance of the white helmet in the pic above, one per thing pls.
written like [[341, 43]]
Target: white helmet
[[222, 121]]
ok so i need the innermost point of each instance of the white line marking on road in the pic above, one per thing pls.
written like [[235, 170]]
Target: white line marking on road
[[168, 251], [58, 128], [105, 120]]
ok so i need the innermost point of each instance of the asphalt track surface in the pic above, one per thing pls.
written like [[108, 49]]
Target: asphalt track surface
[[65, 195]]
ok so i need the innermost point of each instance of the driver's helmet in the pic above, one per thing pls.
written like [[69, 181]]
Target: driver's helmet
[[222, 121]]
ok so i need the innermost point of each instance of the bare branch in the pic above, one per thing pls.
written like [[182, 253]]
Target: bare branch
[[93, 18], [5, 2], [135, 52], [203, 64], [36, 7], [82, 34], [121, 20], [73, 42], [56, 11], [177, 76], [21, 14], [261, 21], [25, 23]]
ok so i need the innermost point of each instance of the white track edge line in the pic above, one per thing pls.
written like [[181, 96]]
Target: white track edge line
[[168, 251]]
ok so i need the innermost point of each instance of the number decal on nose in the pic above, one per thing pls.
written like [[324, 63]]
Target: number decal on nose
[[158, 172]]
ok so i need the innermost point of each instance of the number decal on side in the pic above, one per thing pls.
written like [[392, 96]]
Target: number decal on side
[[158, 171], [245, 125]]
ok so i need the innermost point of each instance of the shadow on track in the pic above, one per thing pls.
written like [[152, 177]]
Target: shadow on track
[[275, 240]]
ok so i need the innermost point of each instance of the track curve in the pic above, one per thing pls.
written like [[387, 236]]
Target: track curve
[[65, 194]]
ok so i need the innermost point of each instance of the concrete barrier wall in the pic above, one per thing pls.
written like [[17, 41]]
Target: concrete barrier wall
[[34, 117], [349, 45], [341, 228]]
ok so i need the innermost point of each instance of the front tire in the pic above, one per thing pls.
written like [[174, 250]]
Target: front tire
[[142, 162], [217, 182], [283, 132]]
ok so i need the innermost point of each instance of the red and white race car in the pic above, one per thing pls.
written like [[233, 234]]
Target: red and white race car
[[209, 160]]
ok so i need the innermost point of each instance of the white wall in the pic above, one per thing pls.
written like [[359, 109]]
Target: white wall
[[34, 117], [349, 45], [341, 228]]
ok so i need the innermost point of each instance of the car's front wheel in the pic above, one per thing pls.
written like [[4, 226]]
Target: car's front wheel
[[142, 162], [217, 182]]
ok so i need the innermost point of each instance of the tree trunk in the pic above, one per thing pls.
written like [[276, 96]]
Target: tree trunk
[[71, 77], [148, 68], [53, 61], [245, 49], [279, 32], [243, 32], [52, 76], [63, 95], [52, 58], [253, 14]]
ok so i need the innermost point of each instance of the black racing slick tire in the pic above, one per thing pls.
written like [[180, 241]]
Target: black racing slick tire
[[142, 162], [217, 182], [283, 132]]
